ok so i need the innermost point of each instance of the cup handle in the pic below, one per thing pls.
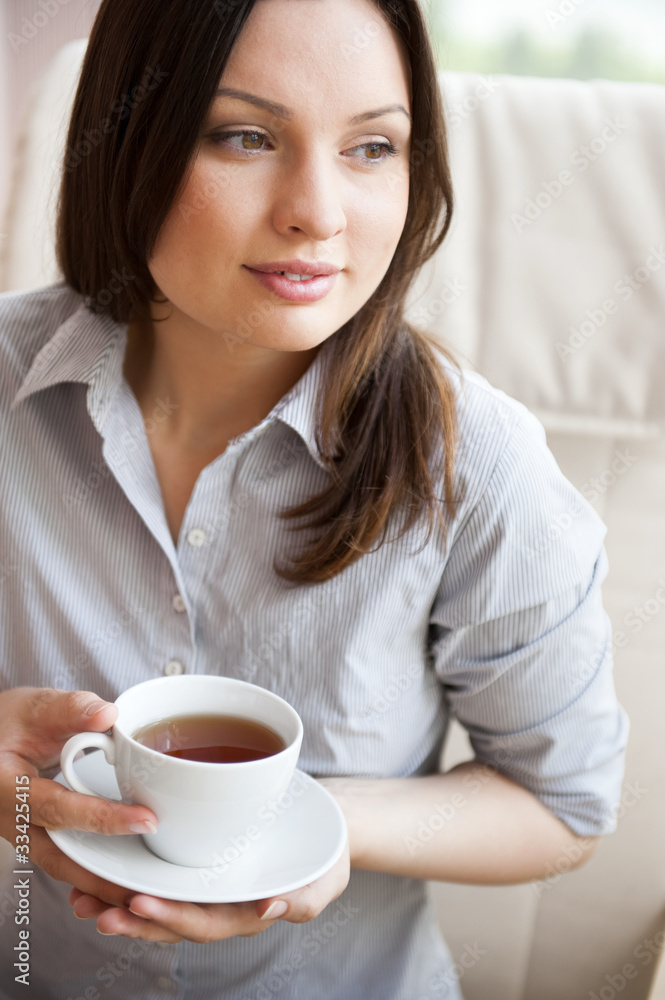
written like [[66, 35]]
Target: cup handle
[[80, 742]]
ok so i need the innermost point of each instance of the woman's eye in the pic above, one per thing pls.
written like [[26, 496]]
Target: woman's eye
[[375, 152], [249, 141]]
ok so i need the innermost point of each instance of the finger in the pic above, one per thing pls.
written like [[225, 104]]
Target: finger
[[49, 857], [200, 923], [55, 713], [306, 903], [86, 907], [74, 895], [120, 921], [89, 907], [56, 808]]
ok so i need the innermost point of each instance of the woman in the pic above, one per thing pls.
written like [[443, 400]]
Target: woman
[[249, 190]]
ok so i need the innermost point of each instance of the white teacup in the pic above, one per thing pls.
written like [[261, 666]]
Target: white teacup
[[201, 807]]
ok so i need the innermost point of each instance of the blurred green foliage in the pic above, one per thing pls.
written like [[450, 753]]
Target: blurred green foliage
[[594, 54]]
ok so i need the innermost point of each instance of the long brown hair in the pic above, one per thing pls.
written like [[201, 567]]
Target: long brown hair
[[386, 422]]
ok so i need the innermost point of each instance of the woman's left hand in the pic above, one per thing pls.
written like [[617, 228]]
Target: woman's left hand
[[154, 919]]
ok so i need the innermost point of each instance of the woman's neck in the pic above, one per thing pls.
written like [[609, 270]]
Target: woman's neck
[[210, 390]]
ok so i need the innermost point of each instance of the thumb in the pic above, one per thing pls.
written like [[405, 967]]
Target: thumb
[[61, 714]]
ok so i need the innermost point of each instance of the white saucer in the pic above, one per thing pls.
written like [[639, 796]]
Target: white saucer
[[302, 837]]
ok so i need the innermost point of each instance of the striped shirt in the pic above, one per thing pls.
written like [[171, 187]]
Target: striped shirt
[[499, 624]]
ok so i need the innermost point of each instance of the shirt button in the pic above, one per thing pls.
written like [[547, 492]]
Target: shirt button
[[196, 537], [178, 603], [173, 668], [164, 982]]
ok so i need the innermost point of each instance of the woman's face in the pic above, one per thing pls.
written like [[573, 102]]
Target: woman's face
[[308, 174]]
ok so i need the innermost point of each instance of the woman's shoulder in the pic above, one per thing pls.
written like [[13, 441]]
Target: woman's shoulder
[[489, 422], [522, 520], [28, 320]]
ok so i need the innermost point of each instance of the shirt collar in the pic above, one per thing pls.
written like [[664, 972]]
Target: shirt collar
[[89, 348], [298, 407]]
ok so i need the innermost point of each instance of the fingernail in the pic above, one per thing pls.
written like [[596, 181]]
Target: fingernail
[[145, 826], [277, 909], [95, 707], [155, 907], [106, 933]]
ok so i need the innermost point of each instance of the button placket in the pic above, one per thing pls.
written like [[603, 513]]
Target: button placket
[[203, 549]]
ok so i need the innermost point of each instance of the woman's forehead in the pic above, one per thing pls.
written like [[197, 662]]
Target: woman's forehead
[[290, 50]]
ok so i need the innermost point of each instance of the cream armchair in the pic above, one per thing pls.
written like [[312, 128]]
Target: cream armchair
[[552, 285]]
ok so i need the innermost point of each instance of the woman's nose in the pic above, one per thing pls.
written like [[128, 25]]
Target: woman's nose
[[309, 199]]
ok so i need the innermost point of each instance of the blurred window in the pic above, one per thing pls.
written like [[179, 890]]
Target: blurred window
[[585, 39]]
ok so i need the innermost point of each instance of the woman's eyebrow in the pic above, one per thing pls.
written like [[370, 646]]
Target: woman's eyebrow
[[282, 112]]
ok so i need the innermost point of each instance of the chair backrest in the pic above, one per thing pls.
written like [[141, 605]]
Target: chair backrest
[[27, 258], [552, 285]]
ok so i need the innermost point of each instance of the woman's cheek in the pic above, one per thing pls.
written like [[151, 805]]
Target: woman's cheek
[[214, 189], [374, 232], [389, 192]]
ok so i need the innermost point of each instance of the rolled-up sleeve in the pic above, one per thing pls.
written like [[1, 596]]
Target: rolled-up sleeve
[[521, 642]]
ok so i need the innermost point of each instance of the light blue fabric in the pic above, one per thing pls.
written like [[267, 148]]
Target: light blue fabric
[[500, 624]]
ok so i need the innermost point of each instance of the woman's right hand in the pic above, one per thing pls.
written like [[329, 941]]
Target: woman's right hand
[[35, 723]]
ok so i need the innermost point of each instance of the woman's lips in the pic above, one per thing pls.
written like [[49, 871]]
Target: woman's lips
[[295, 291]]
